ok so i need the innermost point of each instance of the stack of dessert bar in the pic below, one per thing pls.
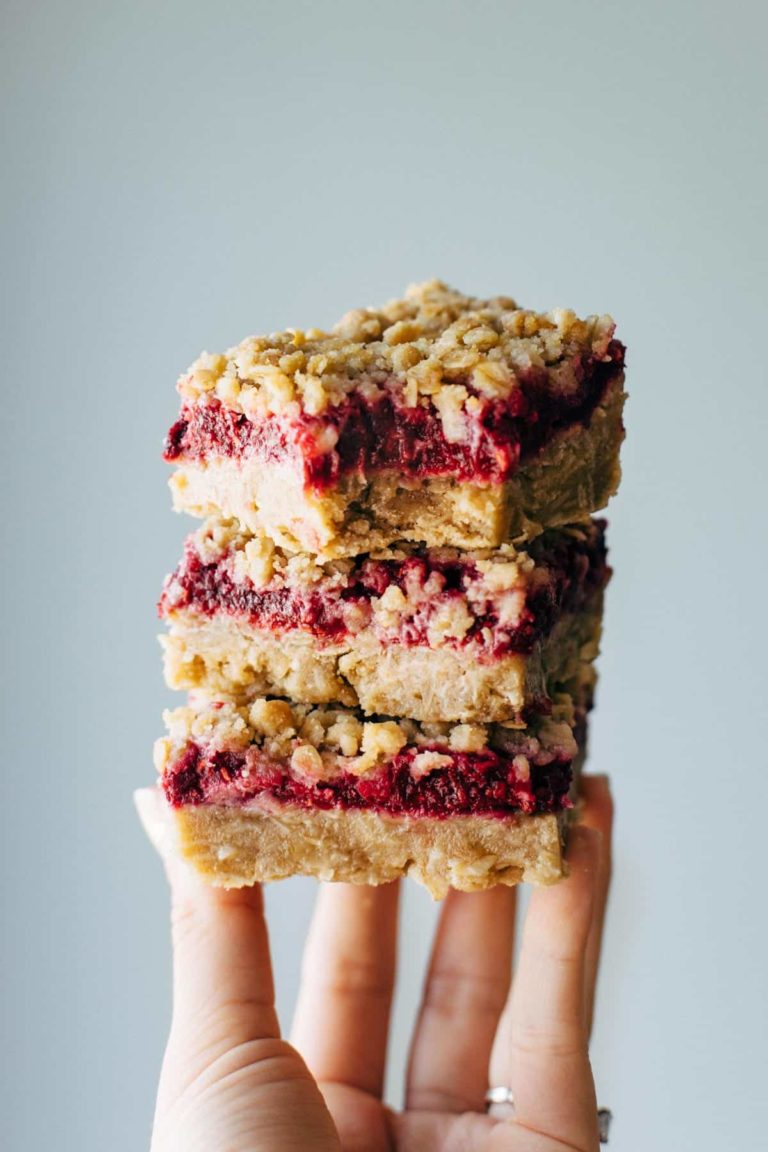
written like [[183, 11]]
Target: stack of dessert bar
[[388, 620]]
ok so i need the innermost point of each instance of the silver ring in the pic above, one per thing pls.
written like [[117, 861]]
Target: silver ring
[[500, 1095], [504, 1096], [604, 1117]]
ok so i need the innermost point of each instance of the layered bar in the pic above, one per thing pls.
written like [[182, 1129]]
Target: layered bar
[[270, 790], [433, 634], [440, 418]]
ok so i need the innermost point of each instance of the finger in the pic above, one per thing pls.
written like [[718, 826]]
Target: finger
[[546, 1063], [464, 993], [227, 1078], [598, 813], [342, 1016], [222, 976]]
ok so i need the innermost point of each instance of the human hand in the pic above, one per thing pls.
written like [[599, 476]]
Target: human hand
[[229, 1082]]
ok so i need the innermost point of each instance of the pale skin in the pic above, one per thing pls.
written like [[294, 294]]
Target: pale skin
[[231, 1083]]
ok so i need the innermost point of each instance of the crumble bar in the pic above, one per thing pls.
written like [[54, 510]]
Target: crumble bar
[[434, 634], [275, 789], [439, 418]]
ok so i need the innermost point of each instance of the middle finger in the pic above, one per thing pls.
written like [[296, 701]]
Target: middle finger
[[342, 1016]]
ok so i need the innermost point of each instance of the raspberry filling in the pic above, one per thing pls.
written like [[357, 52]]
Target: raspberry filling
[[484, 783], [573, 569], [363, 435]]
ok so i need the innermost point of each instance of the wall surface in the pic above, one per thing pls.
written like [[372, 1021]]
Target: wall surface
[[177, 175]]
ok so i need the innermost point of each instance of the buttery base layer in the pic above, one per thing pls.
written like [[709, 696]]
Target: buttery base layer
[[237, 846], [224, 654], [575, 474]]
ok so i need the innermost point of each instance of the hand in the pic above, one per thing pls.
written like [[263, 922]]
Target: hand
[[229, 1082]]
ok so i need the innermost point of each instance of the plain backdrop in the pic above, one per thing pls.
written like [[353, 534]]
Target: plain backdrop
[[178, 175]]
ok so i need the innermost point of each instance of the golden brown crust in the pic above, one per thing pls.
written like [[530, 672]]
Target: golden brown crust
[[574, 475], [235, 846]]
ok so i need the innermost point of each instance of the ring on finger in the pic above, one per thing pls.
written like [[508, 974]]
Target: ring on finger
[[502, 1100]]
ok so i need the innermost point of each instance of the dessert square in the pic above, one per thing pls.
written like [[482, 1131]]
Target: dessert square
[[269, 790], [432, 634], [439, 418]]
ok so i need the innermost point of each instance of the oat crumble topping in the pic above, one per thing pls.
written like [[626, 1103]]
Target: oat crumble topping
[[436, 346], [320, 741]]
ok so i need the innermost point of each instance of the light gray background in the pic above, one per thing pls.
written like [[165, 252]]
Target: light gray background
[[178, 175]]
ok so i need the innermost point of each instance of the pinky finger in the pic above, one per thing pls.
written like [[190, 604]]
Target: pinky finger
[[547, 1062], [598, 813]]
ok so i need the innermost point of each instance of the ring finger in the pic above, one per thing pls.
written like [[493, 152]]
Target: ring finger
[[465, 990], [598, 813]]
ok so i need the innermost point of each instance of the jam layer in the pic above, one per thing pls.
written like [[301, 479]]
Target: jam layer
[[419, 597], [222, 752], [482, 783], [361, 436]]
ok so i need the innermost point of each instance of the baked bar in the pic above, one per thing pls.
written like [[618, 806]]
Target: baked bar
[[434, 634], [439, 418], [272, 790]]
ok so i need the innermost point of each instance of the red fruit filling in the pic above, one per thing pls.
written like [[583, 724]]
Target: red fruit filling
[[383, 434], [476, 783], [575, 567]]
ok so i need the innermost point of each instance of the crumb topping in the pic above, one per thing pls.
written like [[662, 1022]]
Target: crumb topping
[[435, 347], [320, 742], [257, 559]]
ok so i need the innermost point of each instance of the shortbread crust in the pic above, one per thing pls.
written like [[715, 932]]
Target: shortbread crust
[[234, 847]]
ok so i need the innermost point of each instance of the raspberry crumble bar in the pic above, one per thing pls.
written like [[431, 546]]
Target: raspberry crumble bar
[[440, 418], [387, 624], [271, 789], [432, 634]]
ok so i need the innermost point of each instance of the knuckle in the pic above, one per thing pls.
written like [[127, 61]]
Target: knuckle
[[356, 977], [451, 991], [566, 1041]]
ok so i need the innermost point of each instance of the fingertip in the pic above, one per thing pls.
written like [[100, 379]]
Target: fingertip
[[148, 803], [595, 783], [582, 854], [600, 781], [583, 838], [574, 895], [154, 818], [597, 804]]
